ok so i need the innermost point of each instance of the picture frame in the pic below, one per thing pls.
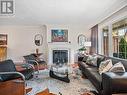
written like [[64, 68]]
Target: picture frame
[[81, 39], [38, 39], [59, 35]]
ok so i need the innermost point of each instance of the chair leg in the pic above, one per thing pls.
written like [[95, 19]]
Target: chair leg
[[37, 67]]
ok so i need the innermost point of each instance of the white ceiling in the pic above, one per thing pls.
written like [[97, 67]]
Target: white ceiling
[[83, 12]]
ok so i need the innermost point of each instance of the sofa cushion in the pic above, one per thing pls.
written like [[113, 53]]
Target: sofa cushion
[[85, 65], [95, 71], [92, 60], [85, 58], [105, 66], [118, 67], [94, 77]]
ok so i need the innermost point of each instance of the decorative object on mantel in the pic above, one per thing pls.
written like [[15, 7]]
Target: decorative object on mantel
[[59, 35], [38, 39]]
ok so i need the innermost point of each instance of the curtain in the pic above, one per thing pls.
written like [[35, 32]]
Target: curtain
[[94, 39]]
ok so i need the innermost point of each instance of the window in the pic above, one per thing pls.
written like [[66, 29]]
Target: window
[[105, 40], [119, 34]]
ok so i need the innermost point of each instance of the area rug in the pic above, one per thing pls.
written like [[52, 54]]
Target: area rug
[[77, 86], [45, 92]]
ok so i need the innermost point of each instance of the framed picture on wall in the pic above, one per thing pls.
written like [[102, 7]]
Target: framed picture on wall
[[59, 35]]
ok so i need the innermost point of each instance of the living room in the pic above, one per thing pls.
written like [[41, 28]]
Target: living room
[[58, 34]]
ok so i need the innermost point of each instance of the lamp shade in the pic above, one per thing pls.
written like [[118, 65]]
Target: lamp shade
[[87, 44]]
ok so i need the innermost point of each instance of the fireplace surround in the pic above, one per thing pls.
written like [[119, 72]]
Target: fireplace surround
[[64, 49]]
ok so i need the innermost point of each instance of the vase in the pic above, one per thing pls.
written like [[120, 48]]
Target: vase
[[37, 51]]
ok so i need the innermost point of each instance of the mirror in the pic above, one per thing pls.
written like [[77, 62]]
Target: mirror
[[81, 40], [38, 39]]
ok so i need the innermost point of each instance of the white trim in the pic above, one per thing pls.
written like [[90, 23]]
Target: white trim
[[113, 13]]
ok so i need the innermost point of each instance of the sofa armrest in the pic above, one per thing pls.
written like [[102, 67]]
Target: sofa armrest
[[114, 83]]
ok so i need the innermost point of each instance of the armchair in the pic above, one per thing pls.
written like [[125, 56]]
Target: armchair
[[11, 81], [31, 59]]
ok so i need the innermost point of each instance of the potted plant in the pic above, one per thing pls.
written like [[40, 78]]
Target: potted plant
[[82, 50]]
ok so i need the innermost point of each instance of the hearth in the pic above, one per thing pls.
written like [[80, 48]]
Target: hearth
[[60, 56]]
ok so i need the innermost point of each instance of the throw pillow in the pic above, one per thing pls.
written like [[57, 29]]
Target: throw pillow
[[105, 66], [92, 60], [85, 58], [118, 67]]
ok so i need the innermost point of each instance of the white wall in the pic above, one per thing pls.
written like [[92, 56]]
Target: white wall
[[21, 40], [121, 14], [73, 33]]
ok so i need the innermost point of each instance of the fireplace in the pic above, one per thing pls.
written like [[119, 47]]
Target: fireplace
[[60, 56]]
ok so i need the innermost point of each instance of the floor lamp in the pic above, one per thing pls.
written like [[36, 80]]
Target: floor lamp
[[87, 45]]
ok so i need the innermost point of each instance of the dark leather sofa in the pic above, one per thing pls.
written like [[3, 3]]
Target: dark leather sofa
[[108, 83]]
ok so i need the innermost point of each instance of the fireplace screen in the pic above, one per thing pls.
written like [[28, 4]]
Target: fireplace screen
[[60, 56]]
